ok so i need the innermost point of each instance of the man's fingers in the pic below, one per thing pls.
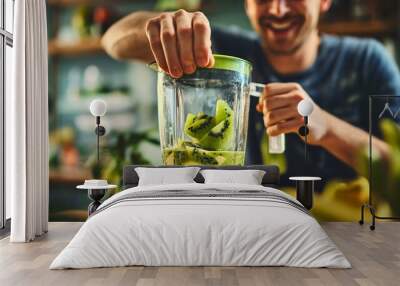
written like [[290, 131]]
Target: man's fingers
[[168, 40], [289, 126], [183, 23], [261, 102], [282, 100], [202, 39], [180, 41], [273, 89], [278, 115], [259, 107], [153, 35], [211, 61], [273, 98]]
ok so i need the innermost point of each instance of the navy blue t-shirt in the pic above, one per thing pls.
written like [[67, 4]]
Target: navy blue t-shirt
[[346, 71]]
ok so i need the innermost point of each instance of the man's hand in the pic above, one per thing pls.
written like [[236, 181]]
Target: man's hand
[[279, 106], [180, 41]]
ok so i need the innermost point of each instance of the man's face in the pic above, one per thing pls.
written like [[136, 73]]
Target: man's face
[[285, 25]]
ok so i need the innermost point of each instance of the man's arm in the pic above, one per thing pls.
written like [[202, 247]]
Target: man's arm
[[126, 39], [345, 141], [178, 41]]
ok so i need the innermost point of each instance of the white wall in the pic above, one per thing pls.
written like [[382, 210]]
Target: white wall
[[7, 110]]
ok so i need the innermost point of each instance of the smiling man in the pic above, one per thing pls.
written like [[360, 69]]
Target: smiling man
[[296, 62]]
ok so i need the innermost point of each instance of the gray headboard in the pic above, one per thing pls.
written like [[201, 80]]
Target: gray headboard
[[130, 178]]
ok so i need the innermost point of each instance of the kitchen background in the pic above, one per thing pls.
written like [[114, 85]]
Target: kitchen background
[[79, 70]]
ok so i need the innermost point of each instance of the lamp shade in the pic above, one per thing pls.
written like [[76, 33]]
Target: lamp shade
[[98, 107], [305, 107]]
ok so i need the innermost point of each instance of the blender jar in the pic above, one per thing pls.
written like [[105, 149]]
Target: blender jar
[[203, 116]]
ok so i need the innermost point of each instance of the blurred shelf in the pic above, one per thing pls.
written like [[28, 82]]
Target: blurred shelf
[[359, 28], [67, 3], [81, 47], [69, 175], [116, 103], [356, 28]]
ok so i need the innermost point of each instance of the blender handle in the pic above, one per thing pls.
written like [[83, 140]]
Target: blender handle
[[276, 144], [256, 89]]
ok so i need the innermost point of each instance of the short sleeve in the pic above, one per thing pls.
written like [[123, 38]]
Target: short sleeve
[[382, 77], [380, 71]]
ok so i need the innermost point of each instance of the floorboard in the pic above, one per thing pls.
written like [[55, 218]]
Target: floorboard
[[375, 257]]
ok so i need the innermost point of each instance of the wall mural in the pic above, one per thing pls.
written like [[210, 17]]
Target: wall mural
[[80, 71]]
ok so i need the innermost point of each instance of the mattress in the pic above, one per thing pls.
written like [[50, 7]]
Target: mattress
[[201, 225]]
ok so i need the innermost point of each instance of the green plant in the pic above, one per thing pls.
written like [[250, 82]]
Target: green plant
[[385, 171], [123, 148]]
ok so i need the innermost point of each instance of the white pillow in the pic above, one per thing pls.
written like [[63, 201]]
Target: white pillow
[[247, 177], [166, 176]]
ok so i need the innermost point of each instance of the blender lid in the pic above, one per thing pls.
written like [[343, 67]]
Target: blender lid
[[231, 63], [222, 62]]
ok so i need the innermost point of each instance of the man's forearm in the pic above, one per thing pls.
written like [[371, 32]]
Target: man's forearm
[[126, 39], [345, 141]]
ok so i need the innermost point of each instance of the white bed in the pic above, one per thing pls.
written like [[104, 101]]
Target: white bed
[[249, 226]]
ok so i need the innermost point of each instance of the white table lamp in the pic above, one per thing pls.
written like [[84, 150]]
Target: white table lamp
[[305, 108], [98, 108], [305, 185]]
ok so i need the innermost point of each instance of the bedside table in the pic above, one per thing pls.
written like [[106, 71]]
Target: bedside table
[[305, 190], [96, 190]]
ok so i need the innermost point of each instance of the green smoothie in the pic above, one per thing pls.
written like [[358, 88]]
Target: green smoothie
[[188, 156]]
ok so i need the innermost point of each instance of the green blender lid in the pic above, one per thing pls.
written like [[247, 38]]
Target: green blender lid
[[230, 63], [223, 62]]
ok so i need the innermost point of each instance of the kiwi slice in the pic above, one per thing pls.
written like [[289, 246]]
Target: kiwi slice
[[228, 157], [201, 156], [220, 137], [175, 156], [196, 126], [197, 156], [209, 132], [222, 111], [190, 119]]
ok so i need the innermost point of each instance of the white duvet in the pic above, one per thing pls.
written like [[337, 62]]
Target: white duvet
[[190, 231]]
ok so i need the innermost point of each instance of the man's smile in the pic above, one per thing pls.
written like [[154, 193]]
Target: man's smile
[[282, 27]]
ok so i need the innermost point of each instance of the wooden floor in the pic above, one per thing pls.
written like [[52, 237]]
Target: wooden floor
[[375, 257]]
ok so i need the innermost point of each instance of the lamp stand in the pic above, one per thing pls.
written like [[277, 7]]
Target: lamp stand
[[100, 131], [303, 131], [305, 139], [305, 185]]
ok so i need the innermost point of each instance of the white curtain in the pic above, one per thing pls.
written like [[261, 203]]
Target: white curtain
[[27, 124]]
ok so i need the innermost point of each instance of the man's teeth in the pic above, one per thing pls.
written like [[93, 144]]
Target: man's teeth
[[281, 26]]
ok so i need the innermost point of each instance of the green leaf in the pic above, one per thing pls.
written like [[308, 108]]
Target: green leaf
[[391, 133]]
